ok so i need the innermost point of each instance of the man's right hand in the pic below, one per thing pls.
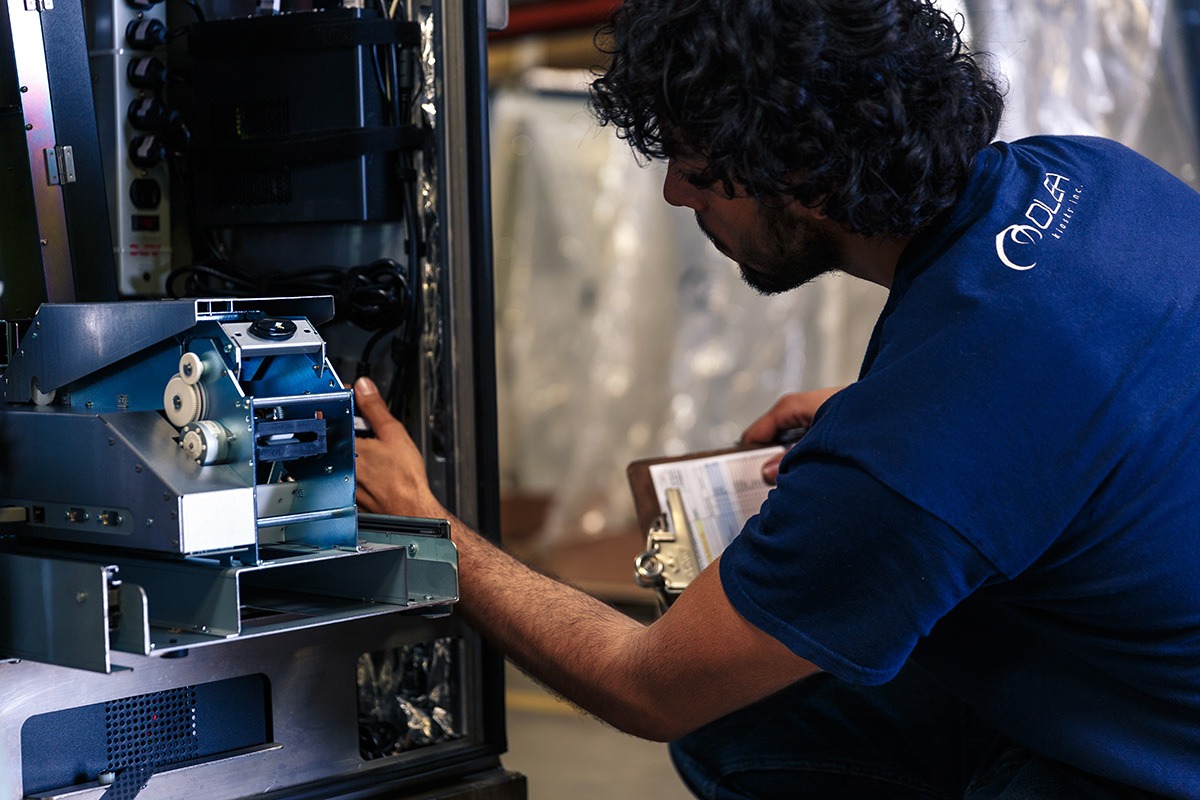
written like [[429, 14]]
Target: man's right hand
[[389, 468], [794, 410]]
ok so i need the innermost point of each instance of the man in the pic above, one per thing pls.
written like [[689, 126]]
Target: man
[[977, 575]]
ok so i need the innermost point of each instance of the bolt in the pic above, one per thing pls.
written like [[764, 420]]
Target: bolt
[[24, 89], [412, 551], [177, 401], [346, 479], [45, 243], [28, 126], [111, 441], [187, 369], [328, 470], [228, 348], [149, 521], [80, 597], [137, 467], [33, 335]]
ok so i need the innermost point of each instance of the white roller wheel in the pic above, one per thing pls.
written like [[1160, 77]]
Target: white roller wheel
[[183, 402], [191, 368], [41, 398]]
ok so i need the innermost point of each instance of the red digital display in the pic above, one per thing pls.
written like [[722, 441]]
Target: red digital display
[[145, 222]]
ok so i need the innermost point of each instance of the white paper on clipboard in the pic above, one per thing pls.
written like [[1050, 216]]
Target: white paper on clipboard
[[719, 492]]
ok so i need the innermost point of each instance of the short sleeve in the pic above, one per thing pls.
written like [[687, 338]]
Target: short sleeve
[[845, 572]]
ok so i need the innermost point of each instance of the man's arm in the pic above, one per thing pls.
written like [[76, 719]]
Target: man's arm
[[699, 661]]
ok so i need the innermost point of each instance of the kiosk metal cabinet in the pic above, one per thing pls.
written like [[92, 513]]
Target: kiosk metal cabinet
[[254, 203]]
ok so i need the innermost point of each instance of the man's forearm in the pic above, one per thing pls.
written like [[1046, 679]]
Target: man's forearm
[[572, 642], [698, 662]]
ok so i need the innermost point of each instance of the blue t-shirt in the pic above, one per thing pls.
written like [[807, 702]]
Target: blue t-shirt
[[1010, 493]]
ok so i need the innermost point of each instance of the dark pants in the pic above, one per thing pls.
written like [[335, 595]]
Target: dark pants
[[909, 739]]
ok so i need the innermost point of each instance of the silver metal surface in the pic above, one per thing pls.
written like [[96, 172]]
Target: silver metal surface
[[314, 709], [141, 502], [124, 462], [305, 340], [55, 611], [30, 54]]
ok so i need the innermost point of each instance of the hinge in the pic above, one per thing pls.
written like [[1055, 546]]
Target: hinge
[[60, 165], [39, 5]]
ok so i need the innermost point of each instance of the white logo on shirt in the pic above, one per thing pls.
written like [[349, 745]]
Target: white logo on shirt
[[1040, 217]]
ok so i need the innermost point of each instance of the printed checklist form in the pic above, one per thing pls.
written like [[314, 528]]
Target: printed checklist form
[[719, 492]]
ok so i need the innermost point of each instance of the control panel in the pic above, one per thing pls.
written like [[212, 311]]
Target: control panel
[[127, 51]]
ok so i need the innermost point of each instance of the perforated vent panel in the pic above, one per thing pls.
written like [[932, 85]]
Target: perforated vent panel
[[143, 734], [150, 730]]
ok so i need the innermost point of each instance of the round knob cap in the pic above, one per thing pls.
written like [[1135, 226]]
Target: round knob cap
[[274, 328], [147, 151], [190, 368], [146, 72], [145, 34]]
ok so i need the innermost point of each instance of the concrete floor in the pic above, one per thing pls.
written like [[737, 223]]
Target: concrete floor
[[566, 754]]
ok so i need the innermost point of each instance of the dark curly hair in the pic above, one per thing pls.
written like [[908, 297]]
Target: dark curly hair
[[871, 109]]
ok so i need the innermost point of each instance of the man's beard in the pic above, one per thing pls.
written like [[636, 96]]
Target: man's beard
[[787, 252]]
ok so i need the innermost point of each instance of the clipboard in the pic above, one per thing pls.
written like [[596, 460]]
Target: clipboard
[[690, 513]]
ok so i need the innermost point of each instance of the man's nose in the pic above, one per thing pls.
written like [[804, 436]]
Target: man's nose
[[679, 191]]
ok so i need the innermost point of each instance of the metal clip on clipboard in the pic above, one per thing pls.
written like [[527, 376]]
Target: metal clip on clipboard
[[668, 563], [725, 486]]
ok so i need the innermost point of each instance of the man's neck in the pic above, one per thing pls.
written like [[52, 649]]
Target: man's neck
[[872, 258]]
